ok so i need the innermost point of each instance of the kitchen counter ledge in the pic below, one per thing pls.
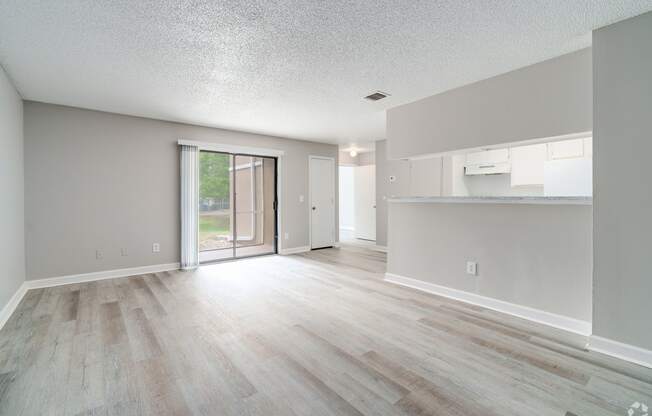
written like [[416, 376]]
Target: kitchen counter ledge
[[531, 200]]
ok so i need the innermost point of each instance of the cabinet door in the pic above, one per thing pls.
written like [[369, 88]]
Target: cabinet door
[[488, 157], [566, 149], [527, 164], [425, 177]]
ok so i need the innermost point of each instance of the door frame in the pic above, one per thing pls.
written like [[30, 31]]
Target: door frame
[[276, 205], [333, 179], [232, 192], [258, 151]]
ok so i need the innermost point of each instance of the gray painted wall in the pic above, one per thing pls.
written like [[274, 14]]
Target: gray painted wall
[[367, 158], [532, 255], [12, 220], [547, 99], [385, 168], [381, 193], [104, 181], [622, 139]]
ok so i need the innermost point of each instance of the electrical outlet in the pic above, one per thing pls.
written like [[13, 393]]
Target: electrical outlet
[[471, 268], [123, 252], [98, 254], [287, 236], [156, 247]]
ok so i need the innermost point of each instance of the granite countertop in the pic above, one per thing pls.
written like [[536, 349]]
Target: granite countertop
[[532, 200]]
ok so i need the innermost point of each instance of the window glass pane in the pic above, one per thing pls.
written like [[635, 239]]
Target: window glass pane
[[255, 216], [215, 222]]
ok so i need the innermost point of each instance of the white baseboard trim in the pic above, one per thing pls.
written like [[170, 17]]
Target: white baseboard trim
[[11, 306], [547, 318], [294, 250], [617, 349], [347, 228], [105, 274], [381, 248]]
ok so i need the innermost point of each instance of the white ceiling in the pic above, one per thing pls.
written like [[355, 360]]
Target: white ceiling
[[295, 69]]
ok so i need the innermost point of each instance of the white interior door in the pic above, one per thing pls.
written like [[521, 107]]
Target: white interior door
[[322, 202], [365, 202]]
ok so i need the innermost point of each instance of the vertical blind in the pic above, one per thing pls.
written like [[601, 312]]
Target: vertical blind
[[189, 206]]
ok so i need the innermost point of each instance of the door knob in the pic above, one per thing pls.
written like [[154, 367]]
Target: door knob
[[314, 208]]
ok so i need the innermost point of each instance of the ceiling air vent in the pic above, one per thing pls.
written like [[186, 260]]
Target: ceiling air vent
[[376, 96]]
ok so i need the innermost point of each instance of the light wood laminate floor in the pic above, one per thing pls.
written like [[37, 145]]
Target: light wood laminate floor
[[312, 334]]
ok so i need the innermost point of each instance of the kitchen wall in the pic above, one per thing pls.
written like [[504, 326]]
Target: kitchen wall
[[101, 181], [622, 136], [460, 184], [12, 219], [494, 185], [498, 185], [548, 99], [538, 256], [385, 168], [535, 256], [533, 170], [445, 176]]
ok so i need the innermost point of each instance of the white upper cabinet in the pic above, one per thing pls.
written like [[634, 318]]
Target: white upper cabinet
[[527, 164], [567, 149], [488, 157]]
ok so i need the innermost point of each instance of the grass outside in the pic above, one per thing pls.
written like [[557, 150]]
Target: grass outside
[[213, 226]]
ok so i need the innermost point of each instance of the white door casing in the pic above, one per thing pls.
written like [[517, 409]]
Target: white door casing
[[322, 201], [365, 202]]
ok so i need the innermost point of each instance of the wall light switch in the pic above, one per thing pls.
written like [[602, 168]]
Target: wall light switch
[[156, 247], [301, 198], [123, 252], [471, 268]]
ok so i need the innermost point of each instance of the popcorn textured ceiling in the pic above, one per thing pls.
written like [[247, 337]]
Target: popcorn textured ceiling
[[295, 69]]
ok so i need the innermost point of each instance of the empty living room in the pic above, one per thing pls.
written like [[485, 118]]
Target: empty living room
[[325, 208]]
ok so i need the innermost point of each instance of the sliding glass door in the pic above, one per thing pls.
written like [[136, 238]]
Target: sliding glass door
[[237, 206]]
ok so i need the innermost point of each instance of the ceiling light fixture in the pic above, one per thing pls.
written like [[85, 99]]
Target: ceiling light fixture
[[353, 153]]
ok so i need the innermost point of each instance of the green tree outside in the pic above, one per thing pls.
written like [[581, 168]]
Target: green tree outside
[[213, 175]]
